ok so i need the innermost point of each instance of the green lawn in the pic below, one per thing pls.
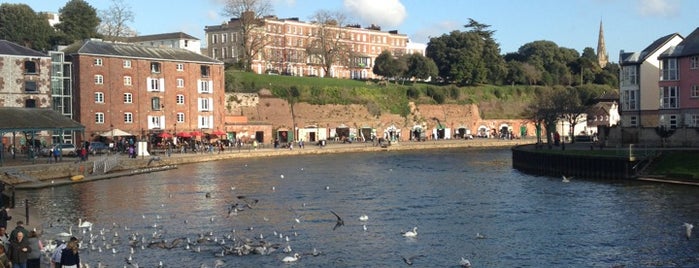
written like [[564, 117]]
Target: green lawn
[[677, 164]]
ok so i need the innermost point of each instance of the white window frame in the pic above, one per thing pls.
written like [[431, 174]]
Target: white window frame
[[694, 62], [629, 100], [156, 67], [156, 122], [98, 62], [99, 79], [127, 80], [99, 118], [668, 70], [128, 98], [128, 118], [179, 99], [205, 121], [205, 86], [180, 117], [180, 82], [127, 64], [180, 67], [155, 84], [629, 75], [99, 97], [694, 93], [205, 104], [669, 97]]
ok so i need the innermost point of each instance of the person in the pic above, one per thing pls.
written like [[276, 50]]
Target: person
[[56, 152], [4, 217], [19, 250], [4, 260], [4, 237], [19, 228], [57, 253], [34, 255], [69, 255]]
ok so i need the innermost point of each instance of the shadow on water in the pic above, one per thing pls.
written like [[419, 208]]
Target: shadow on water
[[450, 195]]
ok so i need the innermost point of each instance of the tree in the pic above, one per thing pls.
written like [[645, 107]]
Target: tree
[[388, 66], [250, 19], [20, 24], [79, 21], [554, 62], [419, 67], [329, 45], [114, 21]]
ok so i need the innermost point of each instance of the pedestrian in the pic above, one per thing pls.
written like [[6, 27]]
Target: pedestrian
[[57, 253], [19, 228], [56, 152], [4, 217], [4, 260], [34, 255], [70, 258], [13, 151], [19, 250], [4, 237], [131, 152]]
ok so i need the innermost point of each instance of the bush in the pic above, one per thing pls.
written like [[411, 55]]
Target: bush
[[413, 93]]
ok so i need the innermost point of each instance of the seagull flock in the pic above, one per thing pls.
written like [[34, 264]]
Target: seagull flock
[[101, 244]]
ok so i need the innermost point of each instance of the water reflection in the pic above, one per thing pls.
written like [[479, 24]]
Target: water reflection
[[449, 195]]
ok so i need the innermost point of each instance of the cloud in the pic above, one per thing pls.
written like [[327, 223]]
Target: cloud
[[660, 8], [385, 13], [423, 35]]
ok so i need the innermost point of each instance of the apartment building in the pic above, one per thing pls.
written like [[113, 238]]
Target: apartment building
[[25, 77], [144, 90], [286, 44], [639, 95], [170, 40], [679, 83]]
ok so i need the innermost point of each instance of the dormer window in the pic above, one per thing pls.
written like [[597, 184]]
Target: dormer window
[[155, 67], [29, 67], [205, 71]]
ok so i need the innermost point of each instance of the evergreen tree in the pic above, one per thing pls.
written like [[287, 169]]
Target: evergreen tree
[[20, 24], [79, 21]]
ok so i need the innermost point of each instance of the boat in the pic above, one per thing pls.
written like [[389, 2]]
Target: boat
[[77, 177]]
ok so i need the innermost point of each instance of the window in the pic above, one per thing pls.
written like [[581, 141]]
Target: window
[[30, 87], [127, 63], [214, 38], [180, 82], [29, 103], [99, 97], [98, 62], [205, 121], [155, 84], [128, 98], [695, 91], [179, 99], [633, 121], [99, 79], [223, 53], [214, 53], [205, 104], [205, 86], [224, 37], [629, 100], [128, 118], [186, 43], [180, 117], [668, 97], [155, 67], [669, 121], [693, 120], [155, 104], [669, 69], [99, 118], [154, 122], [127, 80], [180, 67], [29, 67], [205, 71], [694, 62]]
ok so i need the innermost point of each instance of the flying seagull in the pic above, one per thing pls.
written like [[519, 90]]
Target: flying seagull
[[339, 222]]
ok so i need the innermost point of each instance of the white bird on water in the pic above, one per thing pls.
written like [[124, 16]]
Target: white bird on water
[[84, 224], [364, 217], [465, 263], [688, 229], [291, 258], [412, 233], [566, 179], [69, 233]]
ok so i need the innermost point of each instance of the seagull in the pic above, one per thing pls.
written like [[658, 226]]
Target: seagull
[[339, 222], [412, 233], [281, 176], [465, 263], [409, 260], [688, 229], [291, 258], [364, 217], [566, 179], [364, 226], [480, 236]]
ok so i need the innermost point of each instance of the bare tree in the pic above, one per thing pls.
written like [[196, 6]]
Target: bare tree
[[328, 46], [250, 14], [115, 19]]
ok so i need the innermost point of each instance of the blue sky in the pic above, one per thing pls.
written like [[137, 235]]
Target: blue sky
[[630, 25]]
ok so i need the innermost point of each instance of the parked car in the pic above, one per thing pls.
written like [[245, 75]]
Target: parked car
[[66, 150], [98, 147]]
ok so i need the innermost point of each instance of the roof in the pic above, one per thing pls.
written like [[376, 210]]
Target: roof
[[163, 36], [13, 119], [635, 58], [689, 46], [9, 48], [97, 47]]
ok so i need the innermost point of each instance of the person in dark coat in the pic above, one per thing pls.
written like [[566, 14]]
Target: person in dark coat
[[19, 249], [70, 258], [4, 217], [18, 229]]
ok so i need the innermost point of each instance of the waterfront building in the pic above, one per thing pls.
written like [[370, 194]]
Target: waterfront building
[[639, 94], [679, 83], [24, 77], [290, 46], [170, 40], [144, 90]]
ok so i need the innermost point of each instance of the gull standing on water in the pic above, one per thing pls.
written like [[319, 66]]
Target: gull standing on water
[[566, 179], [688, 229]]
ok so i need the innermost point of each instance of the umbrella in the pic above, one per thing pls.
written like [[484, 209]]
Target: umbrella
[[184, 135], [195, 133], [218, 132], [165, 135], [115, 133]]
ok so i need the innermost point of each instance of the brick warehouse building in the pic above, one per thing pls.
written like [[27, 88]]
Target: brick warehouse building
[[145, 90]]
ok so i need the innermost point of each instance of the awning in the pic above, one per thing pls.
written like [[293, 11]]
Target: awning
[[116, 133]]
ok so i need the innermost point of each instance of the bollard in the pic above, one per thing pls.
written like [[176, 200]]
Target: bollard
[[13, 197], [26, 211]]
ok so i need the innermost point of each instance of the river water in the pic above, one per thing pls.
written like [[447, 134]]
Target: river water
[[450, 195]]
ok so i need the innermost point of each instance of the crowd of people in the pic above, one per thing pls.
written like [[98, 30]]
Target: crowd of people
[[22, 248]]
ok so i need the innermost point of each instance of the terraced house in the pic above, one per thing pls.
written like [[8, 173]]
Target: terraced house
[[293, 47], [679, 83], [145, 90]]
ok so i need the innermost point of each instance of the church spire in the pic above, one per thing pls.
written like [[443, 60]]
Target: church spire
[[602, 56]]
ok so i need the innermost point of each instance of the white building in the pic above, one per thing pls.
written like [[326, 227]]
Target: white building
[[169, 40]]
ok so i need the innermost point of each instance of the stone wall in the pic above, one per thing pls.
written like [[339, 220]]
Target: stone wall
[[681, 137]]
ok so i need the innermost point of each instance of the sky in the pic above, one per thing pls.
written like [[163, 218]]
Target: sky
[[629, 25]]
